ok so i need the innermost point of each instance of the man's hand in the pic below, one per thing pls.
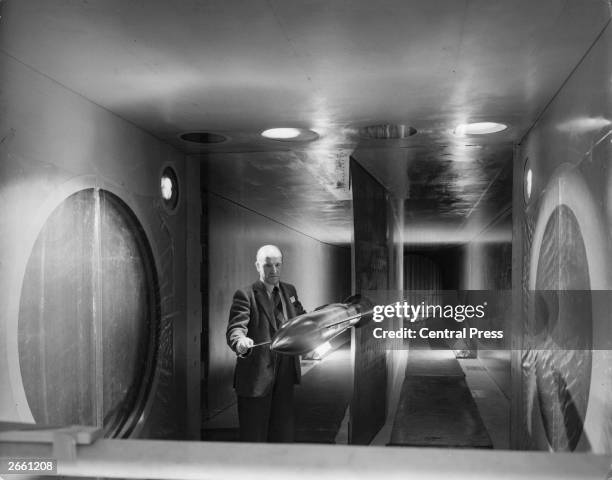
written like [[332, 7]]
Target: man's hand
[[243, 345]]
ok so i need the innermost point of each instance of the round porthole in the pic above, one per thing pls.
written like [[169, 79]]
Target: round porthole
[[527, 181], [564, 330], [169, 189], [567, 319]]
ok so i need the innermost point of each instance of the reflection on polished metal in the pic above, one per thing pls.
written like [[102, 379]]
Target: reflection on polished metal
[[202, 137], [387, 131], [479, 128], [306, 332]]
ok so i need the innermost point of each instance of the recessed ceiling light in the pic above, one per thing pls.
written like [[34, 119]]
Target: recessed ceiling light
[[294, 134], [479, 128], [387, 131], [203, 137], [281, 133]]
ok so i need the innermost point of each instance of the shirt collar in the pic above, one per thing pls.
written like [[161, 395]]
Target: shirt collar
[[269, 287]]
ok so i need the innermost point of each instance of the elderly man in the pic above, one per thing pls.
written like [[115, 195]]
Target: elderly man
[[264, 379]]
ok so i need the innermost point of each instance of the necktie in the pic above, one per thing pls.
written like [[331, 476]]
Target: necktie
[[278, 307]]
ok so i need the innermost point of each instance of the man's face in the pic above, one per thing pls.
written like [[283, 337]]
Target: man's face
[[270, 269]]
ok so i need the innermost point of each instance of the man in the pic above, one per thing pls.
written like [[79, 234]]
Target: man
[[264, 379]]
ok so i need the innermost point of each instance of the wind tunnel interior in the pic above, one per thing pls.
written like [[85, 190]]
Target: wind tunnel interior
[[114, 301]]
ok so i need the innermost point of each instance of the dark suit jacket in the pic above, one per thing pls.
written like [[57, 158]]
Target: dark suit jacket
[[251, 315]]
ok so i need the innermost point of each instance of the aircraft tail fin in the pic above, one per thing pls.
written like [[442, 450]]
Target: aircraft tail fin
[[364, 305]]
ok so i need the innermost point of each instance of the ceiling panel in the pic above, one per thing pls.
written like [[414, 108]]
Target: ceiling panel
[[236, 68]]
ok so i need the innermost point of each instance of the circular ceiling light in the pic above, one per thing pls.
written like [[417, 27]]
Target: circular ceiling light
[[292, 134], [479, 128], [281, 133], [202, 137], [387, 131]]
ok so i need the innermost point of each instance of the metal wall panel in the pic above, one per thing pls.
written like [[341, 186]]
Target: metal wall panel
[[368, 405], [563, 369], [56, 143], [89, 316]]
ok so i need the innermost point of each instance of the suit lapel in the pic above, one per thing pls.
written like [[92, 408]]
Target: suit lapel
[[288, 302], [261, 297]]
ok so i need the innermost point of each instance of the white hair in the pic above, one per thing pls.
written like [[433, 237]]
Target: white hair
[[267, 251]]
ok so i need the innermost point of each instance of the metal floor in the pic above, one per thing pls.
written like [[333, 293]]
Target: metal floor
[[484, 395], [478, 413]]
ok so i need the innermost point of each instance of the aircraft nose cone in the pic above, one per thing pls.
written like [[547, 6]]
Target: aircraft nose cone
[[295, 337], [281, 343]]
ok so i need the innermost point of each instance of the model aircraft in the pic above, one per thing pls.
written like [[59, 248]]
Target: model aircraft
[[306, 332]]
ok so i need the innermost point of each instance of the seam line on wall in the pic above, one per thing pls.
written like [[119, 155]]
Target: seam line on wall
[[271, 219], [571, 74], [89, 100]]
